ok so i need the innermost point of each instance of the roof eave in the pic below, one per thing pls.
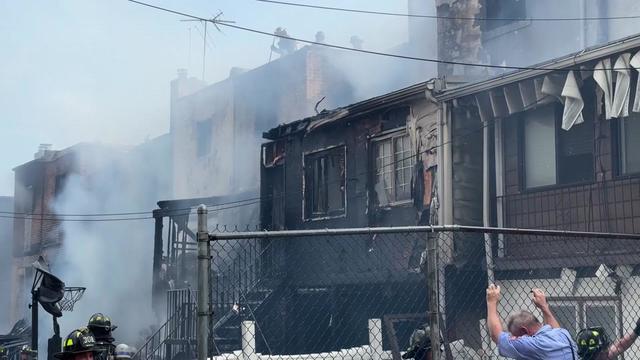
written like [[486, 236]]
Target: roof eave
[[544, 68]]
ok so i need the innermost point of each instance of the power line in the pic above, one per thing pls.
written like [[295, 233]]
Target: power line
[[359, 11], [379, 53], [178, 210], [49, 218]]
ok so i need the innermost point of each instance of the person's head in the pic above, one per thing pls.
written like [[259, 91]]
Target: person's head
[[101, 327], [591, 342], [420, 344], [523, 323], [26, 353], [79, 345], [123, 351]]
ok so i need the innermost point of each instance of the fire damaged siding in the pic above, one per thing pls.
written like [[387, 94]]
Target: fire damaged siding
[[323, 273]]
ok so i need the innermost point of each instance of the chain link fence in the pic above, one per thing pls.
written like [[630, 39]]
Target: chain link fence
[[361, 293]]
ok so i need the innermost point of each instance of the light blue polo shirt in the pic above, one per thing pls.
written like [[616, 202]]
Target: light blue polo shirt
[[548, 344]]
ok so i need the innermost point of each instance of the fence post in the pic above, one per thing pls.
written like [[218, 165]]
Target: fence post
[[375, 338], [432, 288], [204, 263], [248, 340]]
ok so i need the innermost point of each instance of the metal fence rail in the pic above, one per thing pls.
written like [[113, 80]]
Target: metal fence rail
[[360, 293]]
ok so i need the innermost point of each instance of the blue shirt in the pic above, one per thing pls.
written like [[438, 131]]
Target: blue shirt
[[547, 343]]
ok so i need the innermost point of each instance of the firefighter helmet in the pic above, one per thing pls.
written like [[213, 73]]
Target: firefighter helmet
[[123, 351], [101, 327], [591, 342], [419, 343], [79, 341]]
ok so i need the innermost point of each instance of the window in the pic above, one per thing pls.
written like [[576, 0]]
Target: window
[[61, 181], [553, 156], [324, 183], [203, 137], [393, 169], [629, 144], [508, 11], [581, 313]]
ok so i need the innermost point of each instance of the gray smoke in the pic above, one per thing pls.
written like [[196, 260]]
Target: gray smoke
[[111, 259]]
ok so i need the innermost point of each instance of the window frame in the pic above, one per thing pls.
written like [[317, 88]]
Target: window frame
[[343, 212], [388, 135], [558, 110], [617, 128], [580, 303], [203, 149], [490, 32]]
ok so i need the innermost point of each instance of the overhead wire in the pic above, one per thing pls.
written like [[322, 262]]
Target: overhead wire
[[371, 52], [243, 202], [360, 11]]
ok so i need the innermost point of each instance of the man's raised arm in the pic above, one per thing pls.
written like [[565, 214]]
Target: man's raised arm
[[493, 320], [541, 303]]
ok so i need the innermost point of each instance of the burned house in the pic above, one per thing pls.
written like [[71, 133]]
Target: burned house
[[375, 163], [559, 145]]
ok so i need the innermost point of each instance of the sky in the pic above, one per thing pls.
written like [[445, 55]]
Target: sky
[[99, 70]]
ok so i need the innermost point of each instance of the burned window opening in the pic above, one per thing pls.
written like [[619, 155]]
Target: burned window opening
[[507, 11], [324, 183], [273, 153], [393, 169]]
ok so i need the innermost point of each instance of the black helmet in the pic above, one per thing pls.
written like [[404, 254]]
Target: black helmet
[[98, 320], [79, 341], [591, 341], [419, 343], [100, 325]]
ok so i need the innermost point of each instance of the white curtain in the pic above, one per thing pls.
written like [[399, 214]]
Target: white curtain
[[573, 103], [603, 76], [620, 104], [635, 63]]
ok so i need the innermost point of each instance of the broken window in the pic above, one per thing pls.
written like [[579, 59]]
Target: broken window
[[324, 183], [203, 137], [273, 153], [393, 169], [629, 144], [507, 11], [553, 156]]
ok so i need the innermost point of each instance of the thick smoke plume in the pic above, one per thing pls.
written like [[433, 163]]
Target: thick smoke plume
[[112, 259]]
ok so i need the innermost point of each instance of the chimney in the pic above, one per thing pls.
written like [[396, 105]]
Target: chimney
[[42, 149]]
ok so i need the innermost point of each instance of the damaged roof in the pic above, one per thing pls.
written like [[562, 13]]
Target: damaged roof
[[359, 108], [573, 59]]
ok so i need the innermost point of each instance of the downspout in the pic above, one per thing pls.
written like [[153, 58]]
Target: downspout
[[486, 201], [447, 167]]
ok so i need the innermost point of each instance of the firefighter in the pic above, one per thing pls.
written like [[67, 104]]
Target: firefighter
[[123, 351], [27, 354], [593, 343], [79, 345], [101, 327], [4, 353], [420, 344]]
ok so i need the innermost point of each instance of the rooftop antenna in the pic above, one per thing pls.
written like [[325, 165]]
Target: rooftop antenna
[[215, 20]]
